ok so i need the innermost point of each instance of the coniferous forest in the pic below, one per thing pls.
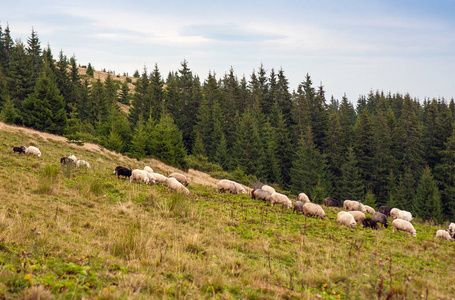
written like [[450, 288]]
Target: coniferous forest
[[387, 149]]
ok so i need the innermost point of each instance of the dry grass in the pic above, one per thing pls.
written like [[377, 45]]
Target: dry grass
[[94, 236]]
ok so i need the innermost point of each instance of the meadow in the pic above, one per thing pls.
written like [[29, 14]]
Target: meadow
[[69, 233]]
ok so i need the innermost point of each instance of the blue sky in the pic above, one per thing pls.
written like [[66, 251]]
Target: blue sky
[[350, 47]]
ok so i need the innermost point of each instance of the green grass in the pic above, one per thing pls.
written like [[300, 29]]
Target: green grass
[[71, 234]]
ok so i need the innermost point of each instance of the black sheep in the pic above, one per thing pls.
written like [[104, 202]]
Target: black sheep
[[331, 202], [385, 210], [368, 222], [66, 161], [380, 218], [122, 171], [20, 150]]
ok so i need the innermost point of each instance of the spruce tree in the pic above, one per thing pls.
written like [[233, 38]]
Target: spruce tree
[[363, 147], [44, 109], [138, 142], [19, 75], [427, 201], [34, 53], [445, 175], [307, 167], [350, 185]]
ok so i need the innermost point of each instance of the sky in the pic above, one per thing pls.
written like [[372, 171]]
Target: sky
[[348, 47]]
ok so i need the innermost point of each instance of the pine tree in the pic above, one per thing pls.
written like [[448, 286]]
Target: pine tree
[[247, 149], [114, 141], [138, 142], [44, 109], [334, 148], [363, 147], [157, 93], [34, 53], [307, 167], [427, 201], [124, 96], [445, 175], [19, 76], [9, 113], [350, 185], [271, 169]]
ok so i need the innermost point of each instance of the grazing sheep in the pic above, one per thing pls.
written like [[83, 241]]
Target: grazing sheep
[[82, 164], [152, 179], [240, 188], [353, 205], [313, 209], [443, 234], [369, 222], [396, 213], [140, 175], [160, 178], [148, 169], [66, 161], [331, 202], [403, 225], [385, 210], [175, 185], [260, 194], [227, 185], [369, 209], [73, 158], [380, 218], [303, 197], [122, 171], [268, 188], [20, 150], [346, 219], [33, 150], [180, 177], [280, 199], [451, 229], [358, 215], [298, 206]]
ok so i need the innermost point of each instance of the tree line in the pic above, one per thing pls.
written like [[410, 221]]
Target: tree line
[[388, 149]]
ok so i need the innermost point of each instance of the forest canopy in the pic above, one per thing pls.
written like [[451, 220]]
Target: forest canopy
[[388, 149]]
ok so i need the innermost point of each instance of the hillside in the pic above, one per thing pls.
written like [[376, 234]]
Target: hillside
[[77, 233]]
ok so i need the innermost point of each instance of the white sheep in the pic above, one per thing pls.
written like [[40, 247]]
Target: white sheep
[[33, 151], [399, 224], [443, 234], [160, 178], [358, 215], [303, 197], [140, 175], [175, 185], [369, 209], [354, 205], [82, 163], [313, 210], [148, 169], [451, 229], [261, 194], [240, 188], [268, 188], [151, 177], [73, 158], [280, 199], [227, 185], [180, 177], [396, 213], [346, 219]]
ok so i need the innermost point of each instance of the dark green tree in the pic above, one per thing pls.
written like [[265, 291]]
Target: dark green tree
[[44, 109], [427, 201], [307, 167], [445, 175], [351, 185]]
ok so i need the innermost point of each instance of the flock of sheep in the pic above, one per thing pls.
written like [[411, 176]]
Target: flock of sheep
[[354, 211], [176, 181]]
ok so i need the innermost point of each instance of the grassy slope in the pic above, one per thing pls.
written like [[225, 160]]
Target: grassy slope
[[86, 234]]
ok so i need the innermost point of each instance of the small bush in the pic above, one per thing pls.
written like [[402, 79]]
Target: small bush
[[201, 163]]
